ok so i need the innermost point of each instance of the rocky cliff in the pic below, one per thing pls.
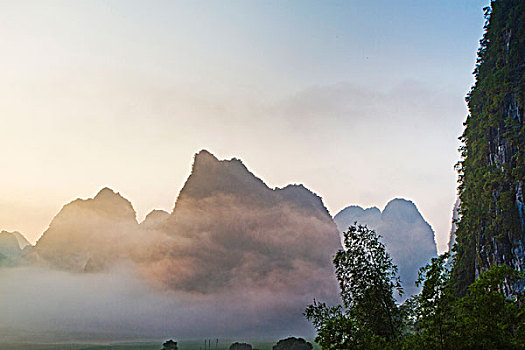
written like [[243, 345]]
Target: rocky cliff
[[492, 169]]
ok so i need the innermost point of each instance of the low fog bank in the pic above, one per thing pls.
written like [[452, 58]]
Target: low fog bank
[[45, 305], [234, 259]]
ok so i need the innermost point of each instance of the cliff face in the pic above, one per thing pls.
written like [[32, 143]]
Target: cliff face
[[454, 227], [492, 172], [409, 239]]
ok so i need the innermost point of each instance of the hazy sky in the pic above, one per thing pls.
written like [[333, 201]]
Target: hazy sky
[[361, 101]]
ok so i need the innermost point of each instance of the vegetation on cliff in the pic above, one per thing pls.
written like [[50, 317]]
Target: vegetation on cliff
[[492, 169], [484, 318]]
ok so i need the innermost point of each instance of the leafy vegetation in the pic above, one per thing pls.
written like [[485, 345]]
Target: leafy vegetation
[[484, 318], [293, 343], [170, 345], [492, 169], [369, 317]]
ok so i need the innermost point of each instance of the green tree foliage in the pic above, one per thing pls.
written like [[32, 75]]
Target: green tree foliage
[[485, 318], [367, 280], [240, 346], [482, 319], [436, 319], [293, 343], [492, 169], [369, 317], [170, 345], [335, 329], [433, 306]]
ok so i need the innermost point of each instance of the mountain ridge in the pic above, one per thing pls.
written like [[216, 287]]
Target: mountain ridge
[[409, 239]]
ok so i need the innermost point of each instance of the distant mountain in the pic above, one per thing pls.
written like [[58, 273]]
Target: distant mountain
[[156, 219], [88, 233], [11, 246], [229, 236], [22, 241], [408, 237], [241, 232]]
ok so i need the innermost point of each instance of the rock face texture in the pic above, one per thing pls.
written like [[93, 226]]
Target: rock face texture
[[492, 171], [454, 227], [407, 236]]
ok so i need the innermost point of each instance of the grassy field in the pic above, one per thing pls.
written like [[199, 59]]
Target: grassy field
[[183, 345]]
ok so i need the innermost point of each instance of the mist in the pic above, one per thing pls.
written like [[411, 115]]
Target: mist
[[234, 259], [44, 305]]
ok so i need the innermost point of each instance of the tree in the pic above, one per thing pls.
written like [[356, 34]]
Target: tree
[[293, 343], [434, 305], [485, 318], [170, 345], [335, 330], [367, 280], [240, 346]]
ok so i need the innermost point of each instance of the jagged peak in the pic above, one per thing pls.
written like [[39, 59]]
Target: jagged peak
[[155, 218], [373, 209], [402, 209], [205, 156], [22, 241], [9, 244], [358, 210], [106, 202], [397, 208], [206, 159], [157, 213], [350, 209], [299, 193], [106, 192], [400, 203], [210, 175], [295, 187]]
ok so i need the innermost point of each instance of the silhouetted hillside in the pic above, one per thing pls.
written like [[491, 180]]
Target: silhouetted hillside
[[408, 237]]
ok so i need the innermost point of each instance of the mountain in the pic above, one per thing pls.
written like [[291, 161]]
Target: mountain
[[231, 240], [88, 233], [155, 219], [492, 169], [239, 232], [11, 246], [408, 237]]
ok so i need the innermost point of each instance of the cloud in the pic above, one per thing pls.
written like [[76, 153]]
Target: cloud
[[409, 102]]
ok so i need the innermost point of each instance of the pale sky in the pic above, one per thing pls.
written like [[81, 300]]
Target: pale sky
[[361, 101]]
